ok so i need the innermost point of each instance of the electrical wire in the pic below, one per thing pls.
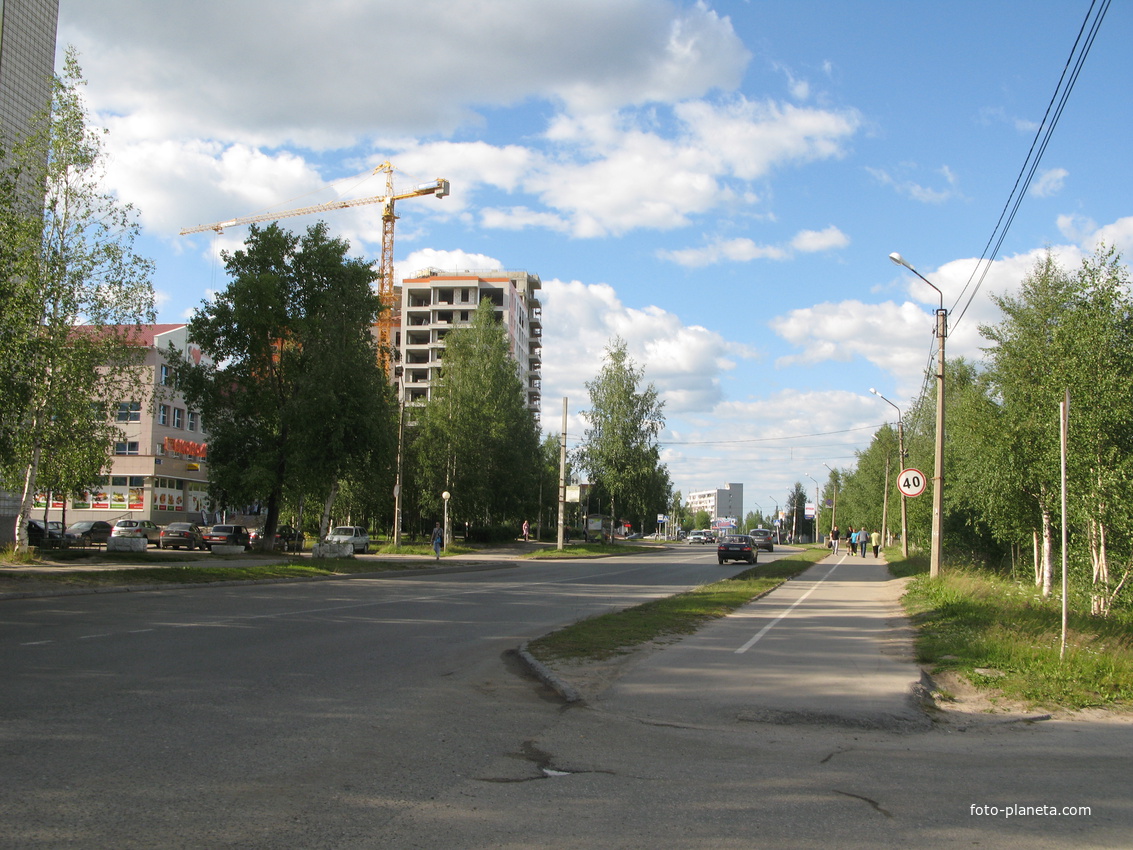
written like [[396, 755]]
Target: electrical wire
[[1087, 33]]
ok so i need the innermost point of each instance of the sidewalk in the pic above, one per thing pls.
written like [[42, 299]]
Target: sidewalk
[[830, 646]]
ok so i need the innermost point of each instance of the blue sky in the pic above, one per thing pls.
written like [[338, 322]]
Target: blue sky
[[718, 183]]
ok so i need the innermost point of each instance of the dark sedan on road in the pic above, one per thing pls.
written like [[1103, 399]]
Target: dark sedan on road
[[763, 538], [737, 547]]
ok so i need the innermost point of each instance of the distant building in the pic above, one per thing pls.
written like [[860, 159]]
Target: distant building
[[722, 503], [27, 63], [434, 302], [159, 469]]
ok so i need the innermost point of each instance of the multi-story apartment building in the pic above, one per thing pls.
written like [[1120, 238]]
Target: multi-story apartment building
[[434, 302], [27, 62], [721, 503], [159, 469]]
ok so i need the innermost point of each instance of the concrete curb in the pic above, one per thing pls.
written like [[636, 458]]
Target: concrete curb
[[547, 676]]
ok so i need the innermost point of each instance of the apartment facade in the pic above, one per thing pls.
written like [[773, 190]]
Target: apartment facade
[[159, 468], [27, 63], [434, 302], [721, 503]]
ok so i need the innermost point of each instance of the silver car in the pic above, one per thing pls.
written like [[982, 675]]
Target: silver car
[[355, 535], [137, 528]]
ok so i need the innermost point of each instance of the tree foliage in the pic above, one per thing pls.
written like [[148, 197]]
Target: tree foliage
[[72, 295], [294, 397], [475, 437], [619, 447]]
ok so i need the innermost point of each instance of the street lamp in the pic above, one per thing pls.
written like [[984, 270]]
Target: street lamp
[[938, 472], [775, 519], [834, 508], [901, 465], [815, 480], [446, 495]]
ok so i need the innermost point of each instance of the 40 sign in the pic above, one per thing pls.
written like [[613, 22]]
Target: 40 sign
[[911, 482]]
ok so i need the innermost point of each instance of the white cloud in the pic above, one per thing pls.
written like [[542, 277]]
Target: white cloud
[[1050, 182], [811, 241], [685, 362], [904, 185], [449, 261], [744, 250], [277, 72]]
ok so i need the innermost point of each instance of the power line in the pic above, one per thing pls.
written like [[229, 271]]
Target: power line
[[1087, 33]]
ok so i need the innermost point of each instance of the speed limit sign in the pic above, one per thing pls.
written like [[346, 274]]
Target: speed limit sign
[[911, 482]]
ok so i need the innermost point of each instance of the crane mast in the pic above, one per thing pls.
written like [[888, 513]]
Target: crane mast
[[438, 187]]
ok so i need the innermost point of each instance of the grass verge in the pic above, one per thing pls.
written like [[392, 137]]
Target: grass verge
[[589, 550], [1005, 638], [618, 632]]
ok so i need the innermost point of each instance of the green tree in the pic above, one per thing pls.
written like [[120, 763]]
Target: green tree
[[72, 296], [620, 447], [476, 437], [293, 397]]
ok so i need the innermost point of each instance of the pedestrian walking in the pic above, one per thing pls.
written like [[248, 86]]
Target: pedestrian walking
[[438, 540], [834, 539], [863, 539], [850, 539], [526, 531], [875, 541]]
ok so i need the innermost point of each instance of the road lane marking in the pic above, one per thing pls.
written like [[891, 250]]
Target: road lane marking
[[769, 626]]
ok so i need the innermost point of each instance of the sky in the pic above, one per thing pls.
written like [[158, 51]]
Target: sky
[[718, 184]]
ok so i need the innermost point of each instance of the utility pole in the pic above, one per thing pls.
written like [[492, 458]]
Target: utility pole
[[937, 551], [562, 477]]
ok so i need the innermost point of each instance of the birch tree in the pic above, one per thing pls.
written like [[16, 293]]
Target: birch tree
[[73, 295]]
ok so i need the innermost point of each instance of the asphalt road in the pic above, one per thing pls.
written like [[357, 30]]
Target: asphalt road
[[391, 713]]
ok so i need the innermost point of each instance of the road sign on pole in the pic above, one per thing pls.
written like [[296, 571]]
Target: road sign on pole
[[911, 482]]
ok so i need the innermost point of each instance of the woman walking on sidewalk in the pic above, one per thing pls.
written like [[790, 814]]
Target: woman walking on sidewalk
[[834, 539]]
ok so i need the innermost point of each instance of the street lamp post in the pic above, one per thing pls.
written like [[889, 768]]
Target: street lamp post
[[775, 519], [900, 466], [938, 472], [446, 495], [815, 480]]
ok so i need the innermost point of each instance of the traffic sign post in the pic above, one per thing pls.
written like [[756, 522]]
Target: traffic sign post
[[911, 482]]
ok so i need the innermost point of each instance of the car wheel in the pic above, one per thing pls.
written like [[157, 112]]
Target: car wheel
[[721, 560]]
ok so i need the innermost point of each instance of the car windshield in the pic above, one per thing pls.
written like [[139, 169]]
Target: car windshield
[[344, 530]]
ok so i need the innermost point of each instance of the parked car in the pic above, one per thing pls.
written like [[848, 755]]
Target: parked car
[[227, 535], [137, 528], [90, 531], [737, 547], [763, 538], [355, 535], [699, 537], [285, 537], [37, 532], [178, 534]]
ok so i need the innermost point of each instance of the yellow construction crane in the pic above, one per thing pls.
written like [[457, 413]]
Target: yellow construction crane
[[438, 187]]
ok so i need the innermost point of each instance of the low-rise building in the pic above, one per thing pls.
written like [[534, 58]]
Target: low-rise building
[[159, 466]]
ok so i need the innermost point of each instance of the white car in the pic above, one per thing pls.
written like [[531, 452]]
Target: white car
[[700, 537], [355, 535]]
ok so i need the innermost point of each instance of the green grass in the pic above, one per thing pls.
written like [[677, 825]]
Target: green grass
[[971, 620], [615, 633], [589, 550]]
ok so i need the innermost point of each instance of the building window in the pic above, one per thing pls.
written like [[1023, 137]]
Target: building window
[[192, 421], [129, 411], [163, 414], [178, 418], [130, 448], [164, 380]]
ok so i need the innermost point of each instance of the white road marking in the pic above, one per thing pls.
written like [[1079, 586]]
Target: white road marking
[[769, 626]]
